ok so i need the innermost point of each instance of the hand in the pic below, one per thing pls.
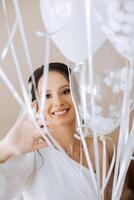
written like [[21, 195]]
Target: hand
[[24, 137]]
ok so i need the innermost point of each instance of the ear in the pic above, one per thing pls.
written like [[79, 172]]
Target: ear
[[35, 106]]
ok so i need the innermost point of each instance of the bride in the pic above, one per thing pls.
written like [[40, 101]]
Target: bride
[[32, 169]]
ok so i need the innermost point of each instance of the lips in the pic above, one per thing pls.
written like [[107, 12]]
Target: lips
[[60, 112]]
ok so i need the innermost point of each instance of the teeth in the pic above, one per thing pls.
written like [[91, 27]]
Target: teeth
[[60, 112]]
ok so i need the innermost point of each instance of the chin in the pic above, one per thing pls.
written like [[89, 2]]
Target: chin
[[62, 121]]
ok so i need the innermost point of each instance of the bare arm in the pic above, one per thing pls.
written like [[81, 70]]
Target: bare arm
[[21, 139], [15, 153], [5, 152]]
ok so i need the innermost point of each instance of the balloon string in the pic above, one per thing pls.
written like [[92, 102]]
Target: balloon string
[[90, 62], [26, 50], [121, 134], [84, 106], [11, 88], [28, 102], [107, 177], [6, 48], [17, 63], [91, 171], [130, 85], [104, 162], [131, 82], [81, 159], [123, 126], [44, 82], [43, 94], [129, 146], [17, 10]]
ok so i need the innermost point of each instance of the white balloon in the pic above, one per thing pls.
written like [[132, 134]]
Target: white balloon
[[65, 21], [117, 22]]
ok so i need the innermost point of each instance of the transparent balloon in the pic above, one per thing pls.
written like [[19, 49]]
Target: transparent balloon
[[108, 88], [117, 22], [65, 22]]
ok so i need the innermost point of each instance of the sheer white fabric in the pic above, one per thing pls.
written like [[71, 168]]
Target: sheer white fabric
[[59, 178], [16, 174]]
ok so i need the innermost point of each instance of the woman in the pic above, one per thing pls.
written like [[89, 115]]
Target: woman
[[59, 176]]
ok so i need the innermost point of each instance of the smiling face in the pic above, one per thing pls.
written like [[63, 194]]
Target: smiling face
[[59, 108]]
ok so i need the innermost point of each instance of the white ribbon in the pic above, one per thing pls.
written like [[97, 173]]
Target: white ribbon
[[11, 88], [123, 134], [6, 48], [105, 178]]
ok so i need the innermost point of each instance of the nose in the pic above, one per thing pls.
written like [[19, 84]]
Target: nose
[[58, 102]]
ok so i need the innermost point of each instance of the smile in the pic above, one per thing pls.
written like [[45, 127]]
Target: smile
[[61, 112]]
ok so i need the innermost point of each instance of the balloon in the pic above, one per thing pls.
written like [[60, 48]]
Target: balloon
[[65, 21], [119, 25], [108, 88]]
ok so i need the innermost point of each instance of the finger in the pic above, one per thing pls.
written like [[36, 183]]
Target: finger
[[47, 130], [21, 121], [40, 145], [35, 106], [36, 116], [43, 121], [42, 139], [24, 116]]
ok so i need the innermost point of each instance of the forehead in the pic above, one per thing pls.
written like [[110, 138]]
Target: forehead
[[55, 80]]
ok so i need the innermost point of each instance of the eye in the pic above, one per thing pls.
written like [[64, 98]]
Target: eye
[[66, 91], [48, 96]]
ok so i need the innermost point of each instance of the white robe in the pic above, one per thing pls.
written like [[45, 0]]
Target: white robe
[[59, 178]]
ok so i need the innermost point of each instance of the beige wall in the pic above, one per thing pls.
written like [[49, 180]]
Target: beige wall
[[9, 108]]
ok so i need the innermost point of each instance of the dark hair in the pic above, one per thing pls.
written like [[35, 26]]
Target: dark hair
[[38, 73]]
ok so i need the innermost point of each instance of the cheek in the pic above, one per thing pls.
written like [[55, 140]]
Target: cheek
[[71, 102], [47, 110], [68, 98], [73, 109], [73, 112]]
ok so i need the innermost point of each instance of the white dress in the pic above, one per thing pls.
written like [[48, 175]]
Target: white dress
[[59, 178]]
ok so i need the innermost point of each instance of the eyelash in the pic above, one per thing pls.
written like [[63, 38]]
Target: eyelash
[[48, 96], [64, 92]]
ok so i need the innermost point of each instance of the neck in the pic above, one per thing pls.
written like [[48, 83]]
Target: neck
[[64, 135]]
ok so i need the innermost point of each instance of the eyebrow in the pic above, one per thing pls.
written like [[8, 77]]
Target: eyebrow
[[63, 86]]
